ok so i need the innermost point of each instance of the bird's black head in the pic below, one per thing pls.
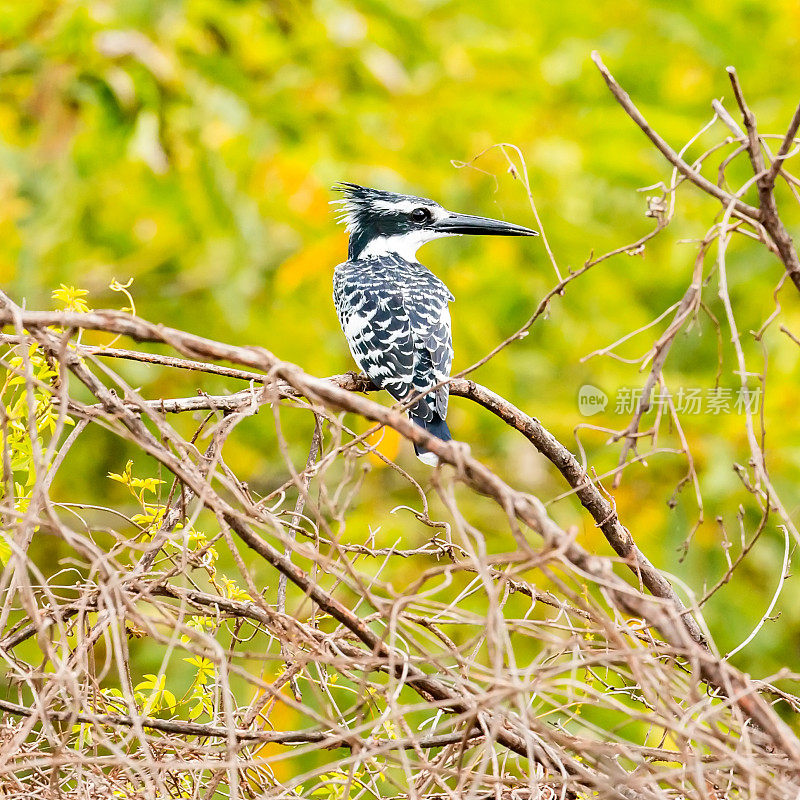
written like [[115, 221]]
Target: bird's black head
[[381, 222]]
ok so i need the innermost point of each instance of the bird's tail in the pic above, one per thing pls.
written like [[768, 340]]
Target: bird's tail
[[438, 427]]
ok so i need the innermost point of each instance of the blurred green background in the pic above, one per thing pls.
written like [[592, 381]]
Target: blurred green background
[[192, 145]]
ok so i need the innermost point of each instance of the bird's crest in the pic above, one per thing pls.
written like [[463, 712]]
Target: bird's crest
[[360, 201]]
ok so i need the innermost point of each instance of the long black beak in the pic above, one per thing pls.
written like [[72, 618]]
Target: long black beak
[[479, 226]]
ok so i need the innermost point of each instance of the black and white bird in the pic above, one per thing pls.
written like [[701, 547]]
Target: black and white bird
[[394, 311]]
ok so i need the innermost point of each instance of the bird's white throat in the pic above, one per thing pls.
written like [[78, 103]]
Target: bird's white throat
[[404, 245]]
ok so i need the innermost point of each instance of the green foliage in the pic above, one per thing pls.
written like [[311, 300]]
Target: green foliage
[[152, 696], [28, 435], [30, 416], [200, 698], [151, 514]]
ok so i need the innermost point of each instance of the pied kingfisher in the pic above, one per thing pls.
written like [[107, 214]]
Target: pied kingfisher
[[394, 312]]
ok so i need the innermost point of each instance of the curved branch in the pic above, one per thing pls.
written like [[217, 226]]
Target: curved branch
[[623, 98], [587, 491], [766, 215]]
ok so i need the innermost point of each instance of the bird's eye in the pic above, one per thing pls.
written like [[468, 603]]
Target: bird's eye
[[420, 215]]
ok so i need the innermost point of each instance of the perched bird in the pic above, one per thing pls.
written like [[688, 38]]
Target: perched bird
[[394, 312]]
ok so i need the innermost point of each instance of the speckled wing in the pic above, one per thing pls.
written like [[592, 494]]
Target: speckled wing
[[396, 320], [430, 326], [378, 331]]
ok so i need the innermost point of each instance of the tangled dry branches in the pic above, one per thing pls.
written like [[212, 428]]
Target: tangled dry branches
[[543, 671]]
